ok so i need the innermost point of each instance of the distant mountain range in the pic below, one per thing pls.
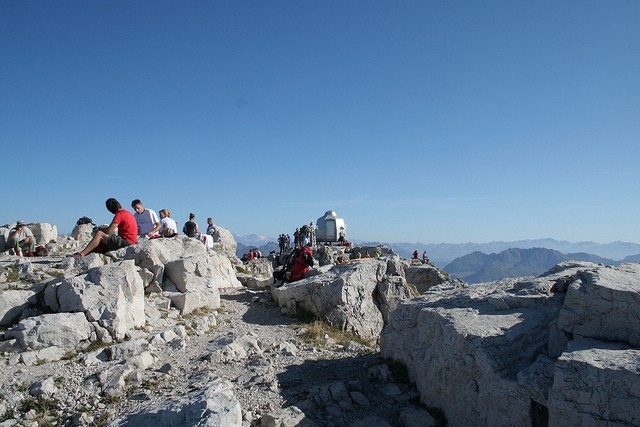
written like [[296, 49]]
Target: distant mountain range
[[445, 253], [477, 267]]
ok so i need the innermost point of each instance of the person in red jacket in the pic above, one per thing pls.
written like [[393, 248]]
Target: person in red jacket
[[105, 239], [301, 265]]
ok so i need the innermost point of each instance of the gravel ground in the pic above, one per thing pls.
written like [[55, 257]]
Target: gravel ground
[[277, 369]]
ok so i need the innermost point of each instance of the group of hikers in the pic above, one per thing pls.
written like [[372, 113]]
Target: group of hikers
[[425, 258], [302, 236], [251, 255], [146, 224], [143, 224], [284, 242]]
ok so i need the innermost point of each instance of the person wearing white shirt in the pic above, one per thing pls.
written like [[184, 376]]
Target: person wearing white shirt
[[148, 221], [169, 226]]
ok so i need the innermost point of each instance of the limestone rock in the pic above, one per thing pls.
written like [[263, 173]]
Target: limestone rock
[[43, 232], [204, 269], [214, 405], [425, 276], [149, 253], [112, 295], [290, 416], [43, 355], [224, 242], [596, 383], [356, 297], [82, 232], [257, 273], [600, 304], [510, 353], [63, 330], [12, 303]]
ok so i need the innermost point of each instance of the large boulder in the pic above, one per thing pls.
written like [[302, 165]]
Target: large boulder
[[111, 295], [224, 242], [604, 303], [595, 383], [63, 330], [326, 255], [211, 267], [82, 232], [355, 297], [214, 404], [488, 354], [425, 276], [4, 237], [198, 278], [257, 273], [43, 232], [12, 304], [149, 253]]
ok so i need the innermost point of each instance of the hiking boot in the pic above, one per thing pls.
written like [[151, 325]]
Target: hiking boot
[[30, 254], [18, 253]]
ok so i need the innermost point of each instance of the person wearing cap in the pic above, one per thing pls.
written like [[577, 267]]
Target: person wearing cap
[[21, 237]]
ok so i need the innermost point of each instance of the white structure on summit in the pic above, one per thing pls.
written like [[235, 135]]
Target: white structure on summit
[[329, 227]]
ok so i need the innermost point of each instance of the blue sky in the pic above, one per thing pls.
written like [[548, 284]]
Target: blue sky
[[416, 121]]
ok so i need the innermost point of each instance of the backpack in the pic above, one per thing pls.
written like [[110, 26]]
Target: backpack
[[41, 251], [84, 220], [307, 256]]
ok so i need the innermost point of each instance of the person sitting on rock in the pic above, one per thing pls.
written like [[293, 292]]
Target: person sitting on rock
[[191, 227], [169, 226], [303, 261], [105, 239], [21, 237], [211, 228], [148, 222], [341, 237]]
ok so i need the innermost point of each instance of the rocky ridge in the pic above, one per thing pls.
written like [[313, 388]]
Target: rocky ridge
[[174, 332], [170, 333]]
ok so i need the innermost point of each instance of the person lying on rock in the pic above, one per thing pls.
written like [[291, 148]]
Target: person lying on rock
[[105, 239]]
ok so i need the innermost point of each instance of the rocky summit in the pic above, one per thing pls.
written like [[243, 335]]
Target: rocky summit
[[174, 332]]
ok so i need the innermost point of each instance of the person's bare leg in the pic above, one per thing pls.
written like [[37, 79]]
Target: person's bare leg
[[99, 237]]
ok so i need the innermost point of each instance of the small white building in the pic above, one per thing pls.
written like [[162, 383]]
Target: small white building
[[329, 227]]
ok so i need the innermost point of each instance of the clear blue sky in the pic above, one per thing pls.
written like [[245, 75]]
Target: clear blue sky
[[416, 121]]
